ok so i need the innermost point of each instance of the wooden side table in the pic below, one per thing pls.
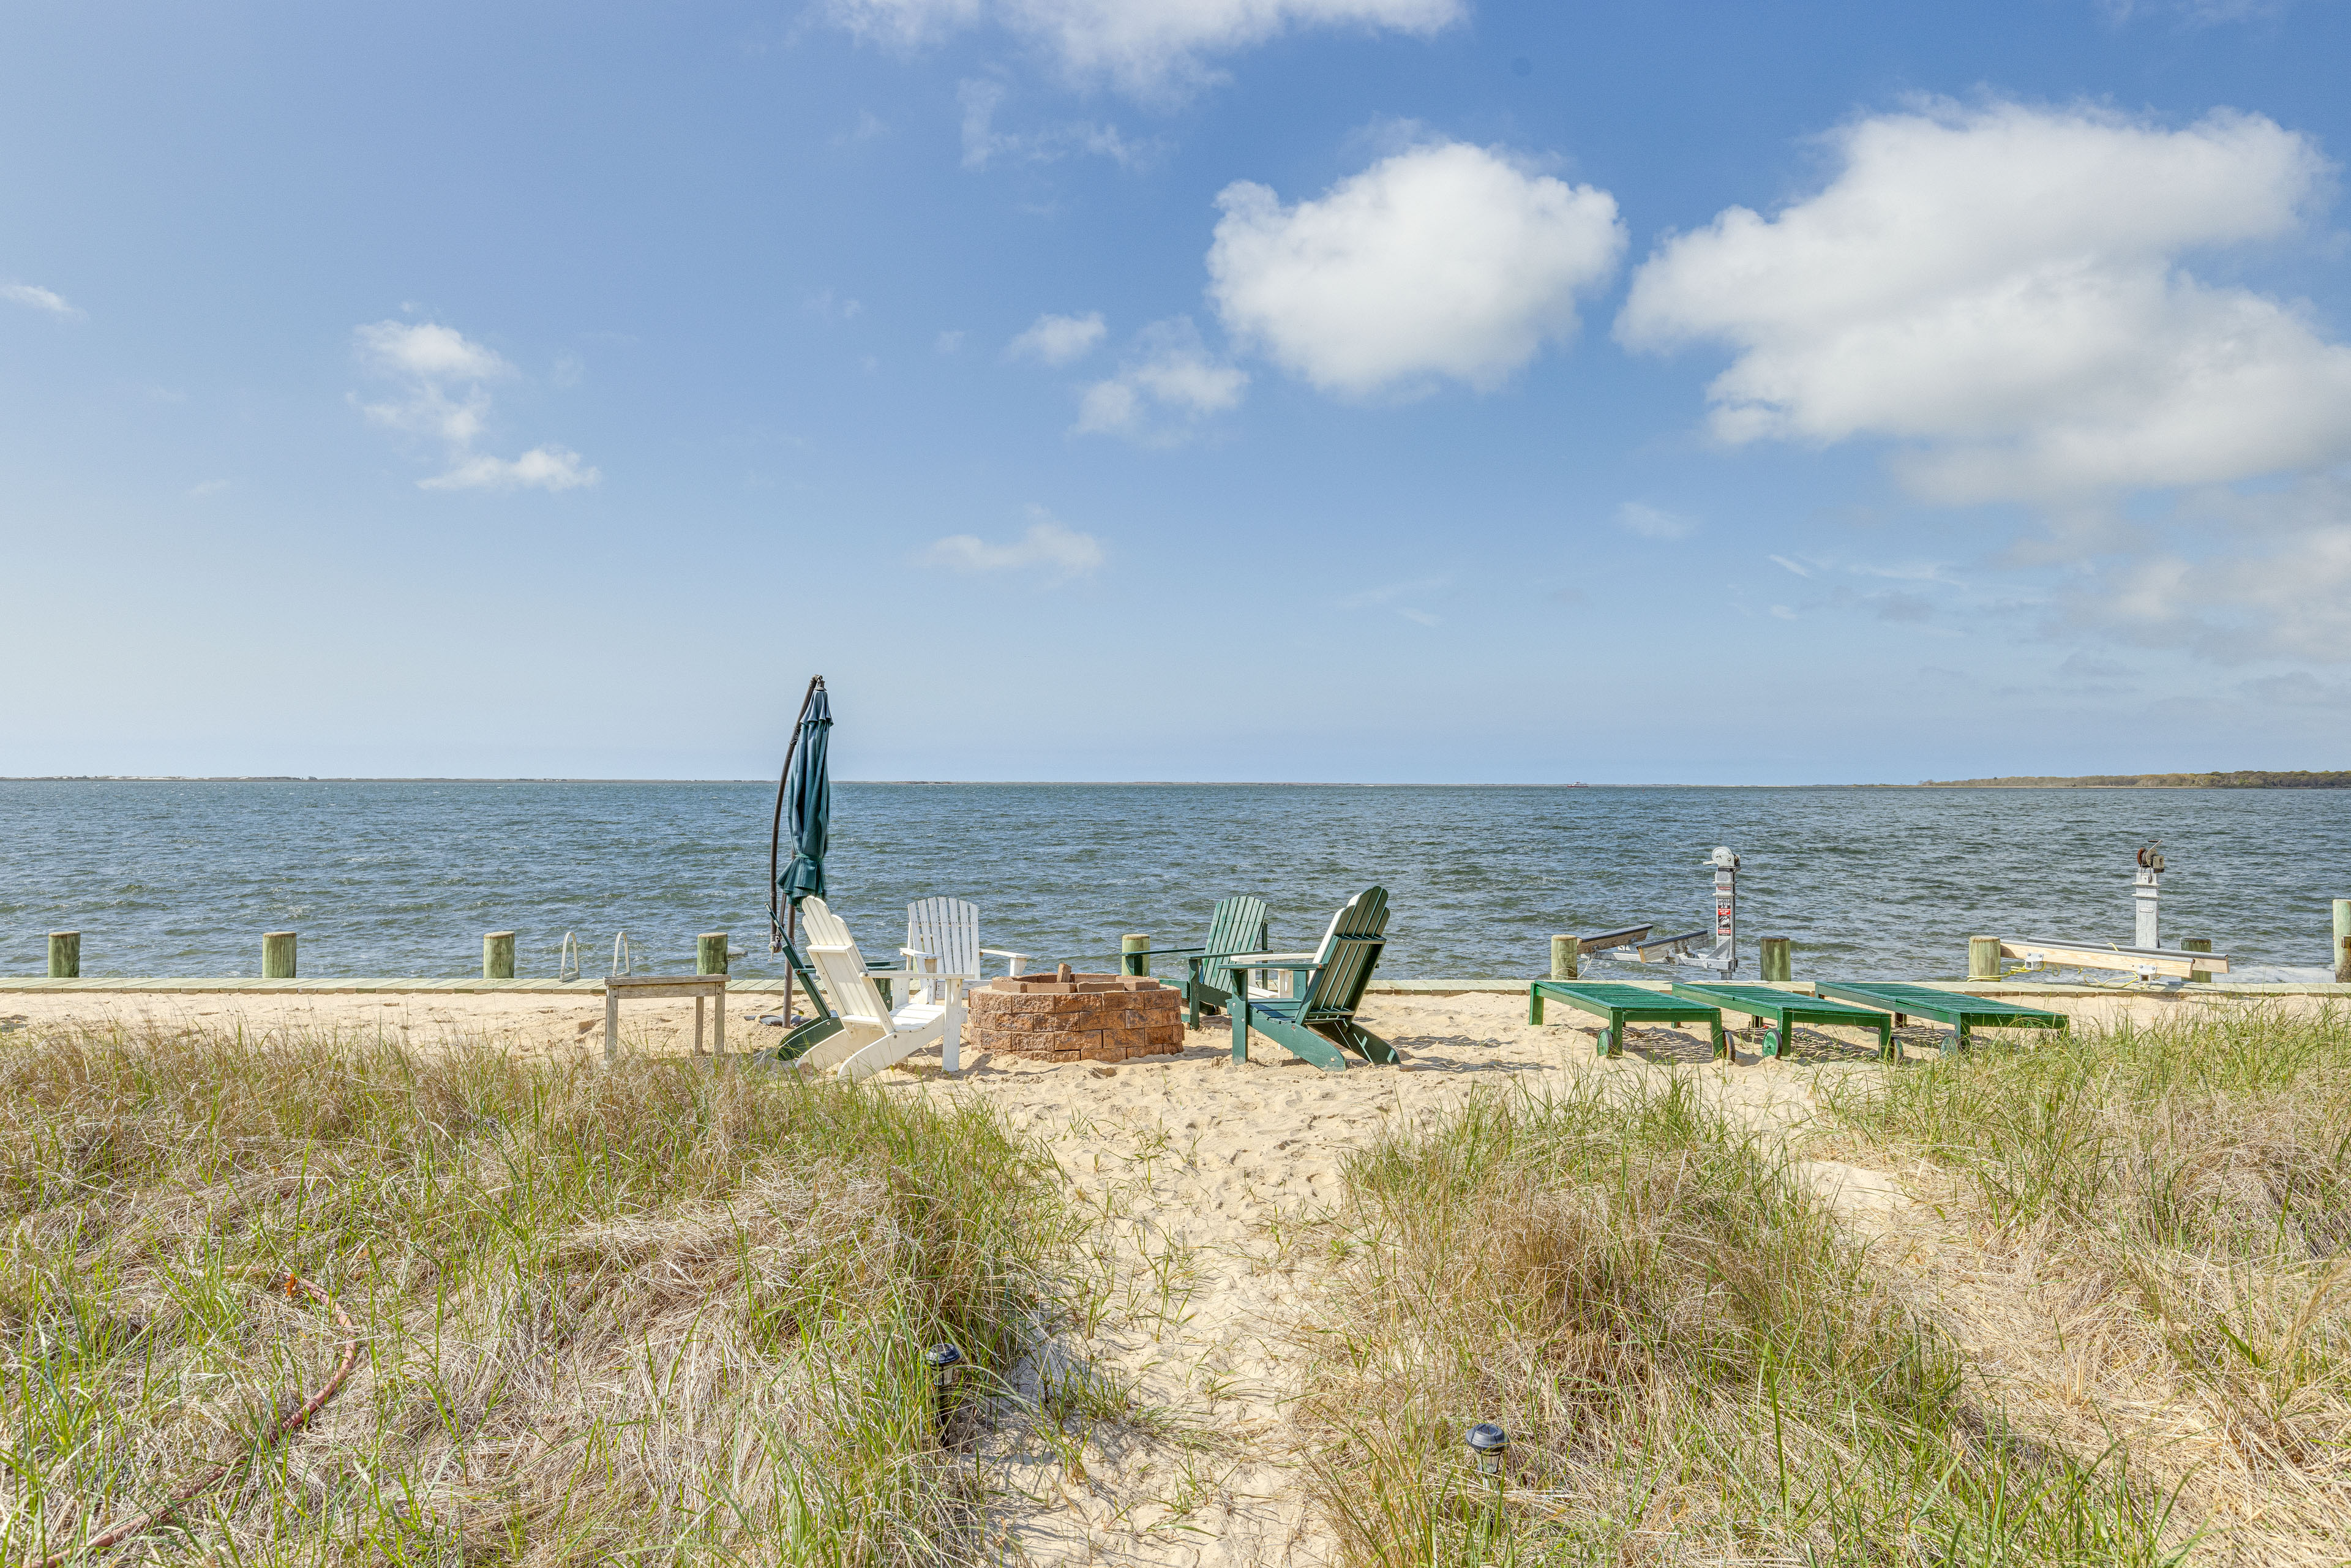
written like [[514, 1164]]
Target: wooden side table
[[649, 988]]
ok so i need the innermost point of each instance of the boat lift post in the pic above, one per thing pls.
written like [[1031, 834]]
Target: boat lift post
[[1722, 958], [1725, 955], [2145, 892], [2146, 957]]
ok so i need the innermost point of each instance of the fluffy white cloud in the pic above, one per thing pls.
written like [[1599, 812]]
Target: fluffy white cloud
[[33, 297], [429, 352], [1063, 552], [1171, 384], [443, 379], [441, 374], [1150, 46], [1999, 291], [1445, 260], [2279, 586], [1059, 339]]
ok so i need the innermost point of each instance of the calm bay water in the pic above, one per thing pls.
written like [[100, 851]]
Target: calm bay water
[[182, 878]]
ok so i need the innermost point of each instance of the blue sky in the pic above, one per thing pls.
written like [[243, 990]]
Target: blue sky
[[1379, 390]]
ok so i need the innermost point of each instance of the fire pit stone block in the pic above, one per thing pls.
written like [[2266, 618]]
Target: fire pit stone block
[[1088, 1017]]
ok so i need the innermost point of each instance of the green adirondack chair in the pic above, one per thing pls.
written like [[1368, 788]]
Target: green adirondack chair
[[1238, 925], [1317, 1019]]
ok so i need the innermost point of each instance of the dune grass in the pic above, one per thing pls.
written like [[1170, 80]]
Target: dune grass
[[1693, 1364], [654, 1314], [2175, 1205]]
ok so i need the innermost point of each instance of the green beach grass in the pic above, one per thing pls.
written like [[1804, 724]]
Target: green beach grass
[[2118, 1331], [650, 1315]]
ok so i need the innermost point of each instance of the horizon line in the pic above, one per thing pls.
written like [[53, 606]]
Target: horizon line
[[934, 783]]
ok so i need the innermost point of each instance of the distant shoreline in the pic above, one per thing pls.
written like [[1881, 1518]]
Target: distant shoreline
[[2244, 779]]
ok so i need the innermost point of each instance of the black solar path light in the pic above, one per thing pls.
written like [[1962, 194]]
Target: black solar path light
[[943, 1359], [1487, 1444]]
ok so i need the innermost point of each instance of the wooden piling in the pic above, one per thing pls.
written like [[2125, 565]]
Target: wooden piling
[[1132, 948], [1983, 958], [1779, 958], [710, 953], [2198, 945], [2342, 951], [498, 956], [277, 954], [65, 954], [1564, 954]]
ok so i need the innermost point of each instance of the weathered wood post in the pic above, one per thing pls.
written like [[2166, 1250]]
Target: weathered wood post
[[277, 954], [1132, 948], [2343, 940], [65, 954], [1564, 952], [710, 958], [2198, 945], [1983, 958], [1779, 958], [497, 955]]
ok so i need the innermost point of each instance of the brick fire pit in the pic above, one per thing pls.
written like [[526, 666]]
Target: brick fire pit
[[1075, 1017]]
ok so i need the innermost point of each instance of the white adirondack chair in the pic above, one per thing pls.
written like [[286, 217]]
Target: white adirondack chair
[[876, 1036], [943, 941]]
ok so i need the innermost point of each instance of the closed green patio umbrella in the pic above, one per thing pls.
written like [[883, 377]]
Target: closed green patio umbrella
[[804, 808]]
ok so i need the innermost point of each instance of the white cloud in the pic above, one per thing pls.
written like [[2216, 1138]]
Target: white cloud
[[1154, 47], [1652, 523], [1782, 613], [1445, 260], [33, 297], [950, 341], [540, 468], [2277, 586], [1781, 560], [443, 379], [2195, 13], [1063, 552], [1059, 339], [983, 143], [429, 350], [1999, 289], [1171, 384], [207, 487]]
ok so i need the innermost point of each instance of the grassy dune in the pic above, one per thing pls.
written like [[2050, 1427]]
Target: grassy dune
[[2155, 1228], [658, 1314], [2120, 1334], [649, 1315]]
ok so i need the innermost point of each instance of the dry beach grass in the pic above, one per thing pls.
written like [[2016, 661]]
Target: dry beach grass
[[2105, 1324], [651, 1315], [2079, 1303]]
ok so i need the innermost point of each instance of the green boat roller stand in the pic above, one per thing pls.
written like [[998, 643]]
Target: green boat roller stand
[[1621, 1004], [1779, 1011], [1963, 1013]]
